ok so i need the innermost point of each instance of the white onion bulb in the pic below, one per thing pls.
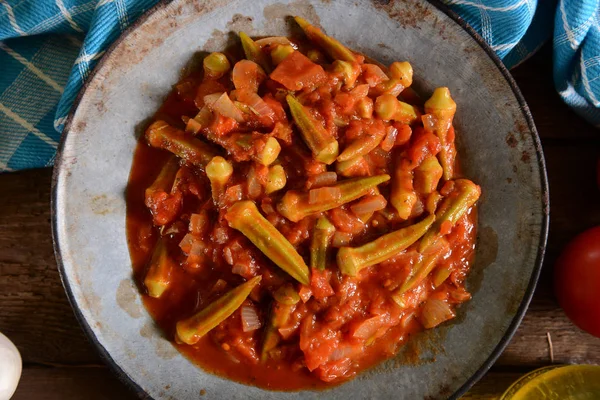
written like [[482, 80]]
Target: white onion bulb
[[10, 368]]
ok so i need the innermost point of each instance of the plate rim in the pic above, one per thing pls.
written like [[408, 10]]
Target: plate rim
[[523, 107]]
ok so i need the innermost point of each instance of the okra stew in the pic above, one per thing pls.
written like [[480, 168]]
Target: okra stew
[[296, 212]]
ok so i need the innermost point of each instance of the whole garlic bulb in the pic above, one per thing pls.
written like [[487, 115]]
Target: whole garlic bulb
[[10, 368]]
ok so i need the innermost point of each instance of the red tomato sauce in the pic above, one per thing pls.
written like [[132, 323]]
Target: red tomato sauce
[[342, 324]]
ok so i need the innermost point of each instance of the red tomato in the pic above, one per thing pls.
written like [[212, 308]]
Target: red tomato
[[577, 280]]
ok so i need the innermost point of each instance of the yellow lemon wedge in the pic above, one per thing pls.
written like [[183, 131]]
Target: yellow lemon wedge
[[571, 382]]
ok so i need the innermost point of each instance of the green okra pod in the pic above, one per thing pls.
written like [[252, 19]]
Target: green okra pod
[[352, 260], [254, 53], [361, 146], [295, 205], [428, 175], [403, 196], [162, 135], [219, 171], [216, 65], [166, 177], [279, 315], [321, 240], [158, 277], [388, 107], [335, 49], [451, 210], [190, 330], [442, 107], [245, 217], [321, 142], [421, 270]]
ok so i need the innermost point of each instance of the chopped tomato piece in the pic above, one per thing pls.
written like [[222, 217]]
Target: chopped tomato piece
[[297, 72]]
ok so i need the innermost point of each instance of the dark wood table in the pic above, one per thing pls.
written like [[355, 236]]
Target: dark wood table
[[59, 363]]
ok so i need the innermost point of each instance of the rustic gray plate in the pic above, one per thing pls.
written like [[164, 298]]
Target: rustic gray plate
[[497, 139]]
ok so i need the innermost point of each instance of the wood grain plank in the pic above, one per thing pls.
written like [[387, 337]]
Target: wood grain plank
[[91, 383], [35, 312], [98, 383]]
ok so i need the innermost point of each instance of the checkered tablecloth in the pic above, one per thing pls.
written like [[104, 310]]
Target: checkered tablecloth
[[48, 48]]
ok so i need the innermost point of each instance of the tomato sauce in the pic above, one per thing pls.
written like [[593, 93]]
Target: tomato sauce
[[342, 324]]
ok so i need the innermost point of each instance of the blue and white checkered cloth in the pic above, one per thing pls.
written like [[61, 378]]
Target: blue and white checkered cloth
[[48, 48]]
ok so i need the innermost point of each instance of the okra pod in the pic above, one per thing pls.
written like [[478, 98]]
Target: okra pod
[[280, 52], [190, 330], [166, 177], [451, 210], [348, 70], [352, 168], [402, 195], [352, 260], [286, 294], [421, 270], [295, 205], [402, 71], [254, 53], [361, 146], [321, 240], [164, 136], [245, 217], [269, 153], [335, 49], [442, 107], [276, 179], [321, 142], [388, 107], [158, 277], [278, 317], [427, 175], [440, 276], [219, 171], [216, 65]]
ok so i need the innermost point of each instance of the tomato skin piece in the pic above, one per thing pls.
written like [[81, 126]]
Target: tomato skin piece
[[577, 280]]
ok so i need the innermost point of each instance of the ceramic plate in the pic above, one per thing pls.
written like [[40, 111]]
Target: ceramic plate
[[497, 142]]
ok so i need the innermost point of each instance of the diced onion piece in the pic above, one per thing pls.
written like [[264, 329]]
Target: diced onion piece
[[273, 40], [369, 327], [250, 320], [360, 91], [198, 223], [369, 204], [248, 75], [324, 194], [373, 74], [435, 312], [187, 242], [234, 193], [390, 138], [254, 186], [192, 126], [211, 99], [323, 179], [224, 106], [428, 122], [257, 104], [198, 248]]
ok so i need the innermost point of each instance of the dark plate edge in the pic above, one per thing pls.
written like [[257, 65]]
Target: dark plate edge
[[132, 385]]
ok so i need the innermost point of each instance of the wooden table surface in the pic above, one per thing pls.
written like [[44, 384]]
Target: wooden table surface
[[59, 363]]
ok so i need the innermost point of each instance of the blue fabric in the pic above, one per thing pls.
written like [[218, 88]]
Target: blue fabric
[[49, 47]]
